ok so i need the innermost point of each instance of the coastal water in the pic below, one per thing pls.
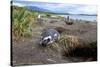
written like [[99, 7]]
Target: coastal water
[[82, 17]]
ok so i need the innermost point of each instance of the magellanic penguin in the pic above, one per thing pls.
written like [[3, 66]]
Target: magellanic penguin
[[49, 36]]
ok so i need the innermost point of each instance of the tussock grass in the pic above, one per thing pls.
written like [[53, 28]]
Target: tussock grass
[[68, 43], [21, 22]]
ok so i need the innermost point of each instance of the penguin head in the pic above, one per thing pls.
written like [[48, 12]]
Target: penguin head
[[46, 41]]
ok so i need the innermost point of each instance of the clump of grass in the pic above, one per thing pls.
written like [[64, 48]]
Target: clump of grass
[[55, 47], [21, 22], [72, 41], [48, 15], [68, 43]]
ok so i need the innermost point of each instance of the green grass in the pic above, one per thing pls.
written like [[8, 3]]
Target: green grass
[[21, 21]]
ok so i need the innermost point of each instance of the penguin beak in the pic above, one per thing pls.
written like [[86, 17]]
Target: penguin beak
[[45, 42]]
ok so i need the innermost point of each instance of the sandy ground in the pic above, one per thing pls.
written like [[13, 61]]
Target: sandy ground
[[28, 51]]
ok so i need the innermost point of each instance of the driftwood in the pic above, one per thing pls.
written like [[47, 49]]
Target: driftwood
[[69, 22]]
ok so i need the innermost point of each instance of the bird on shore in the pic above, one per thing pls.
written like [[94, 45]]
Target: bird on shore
[[49, 36]]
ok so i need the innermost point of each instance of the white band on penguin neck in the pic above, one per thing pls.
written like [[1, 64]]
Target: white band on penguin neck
[[47, 38]]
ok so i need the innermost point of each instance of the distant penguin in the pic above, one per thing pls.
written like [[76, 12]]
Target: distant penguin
[[49, 36], [39, 16]]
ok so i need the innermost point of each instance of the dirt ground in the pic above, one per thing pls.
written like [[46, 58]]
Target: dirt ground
[[28, 51]]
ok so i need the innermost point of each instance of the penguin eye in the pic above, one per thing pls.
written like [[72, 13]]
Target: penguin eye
[[48, 39]]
